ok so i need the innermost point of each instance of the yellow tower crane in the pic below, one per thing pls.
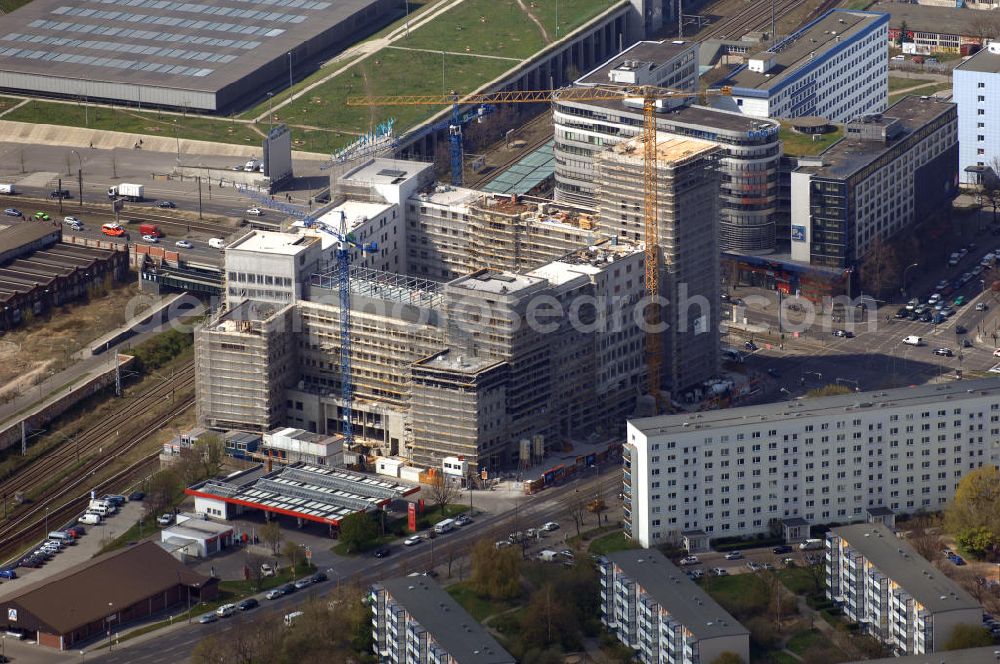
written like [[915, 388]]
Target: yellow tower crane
[[650, 95]]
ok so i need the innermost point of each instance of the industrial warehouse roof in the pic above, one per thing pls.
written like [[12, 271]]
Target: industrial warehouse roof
[[80, 594], [681, 597], [305, 490], [526, 174], [174, 46], [20, 234], [912, 572], [457, 632], [801, 50]]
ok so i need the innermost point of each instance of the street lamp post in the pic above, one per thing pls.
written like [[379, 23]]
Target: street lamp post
[[905, 272], [79, 174]]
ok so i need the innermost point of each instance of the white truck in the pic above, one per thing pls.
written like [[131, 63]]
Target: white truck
[[811, 545], [7, 189], [130, 192]]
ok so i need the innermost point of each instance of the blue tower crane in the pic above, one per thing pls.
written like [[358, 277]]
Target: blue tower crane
[[454, 125], [343, 278]]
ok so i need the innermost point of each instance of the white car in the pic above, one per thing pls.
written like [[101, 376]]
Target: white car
[[183, 244], [413, 539], [689, 560], [71, 220], [152, 239], [734, 555], [266, 570], [255, 212], [165, 519], [549, 526], [225, 610]]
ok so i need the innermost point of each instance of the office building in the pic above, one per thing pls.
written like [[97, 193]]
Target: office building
[[834, 67], [893, 592], [976, 90], [884, 177], [740, 471], [414, 621], [655, 609], [750, 147], [687, 238]]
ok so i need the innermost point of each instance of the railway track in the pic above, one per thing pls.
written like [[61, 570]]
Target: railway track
[[114, 436], [755, 16]]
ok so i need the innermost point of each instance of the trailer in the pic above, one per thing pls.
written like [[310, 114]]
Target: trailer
[[130, 192]]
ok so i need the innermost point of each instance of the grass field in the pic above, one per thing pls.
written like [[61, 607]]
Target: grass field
[[899, 83], [798, 145], [572, 13], [481, 608], [390, 72], [610, 543], [487, 27], [926, 90], [8, 102]]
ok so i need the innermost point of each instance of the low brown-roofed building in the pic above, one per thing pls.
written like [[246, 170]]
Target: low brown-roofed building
[[106, 592]]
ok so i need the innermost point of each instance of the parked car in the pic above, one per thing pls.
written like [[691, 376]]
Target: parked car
[[781, 548], [225, 610], [42, 216], [288, 588], [166, 204], [847, 334], [274, 593], [981, 306], [689, 560], [60, 193], [412, 539], [319, 577], [136, 496], [960, 329], [247, 604], [463, 520], [255, 212], [718, 571], [165, 519], [183, 244], [266, 570], [208, 618], [303, 583], [753, 566], [734, 555], [12, 212], [946, 352], [381, 552], [549, 526]]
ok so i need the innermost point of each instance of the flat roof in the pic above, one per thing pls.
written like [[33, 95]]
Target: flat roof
[[849, 155], [272, 242], [984, 61], [896, 559], [669, 149], [655, 53], [177, 46], [926, 18], [355, 212], [450, 360], [305, 490], [801, 409], [17, 235], [500, 283], [383, 170], [684, 599], [694, 118], [452, 627], [803, 48], [987, 655], [305, 436]]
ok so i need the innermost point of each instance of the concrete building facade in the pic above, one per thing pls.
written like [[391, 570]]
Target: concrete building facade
[[688, 240], [893, 592], [655, 609], [750, 147], [887, 174], [976, 91], [834, 67], [741, 471]]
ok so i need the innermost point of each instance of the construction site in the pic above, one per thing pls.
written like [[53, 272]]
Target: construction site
[[511, 326]]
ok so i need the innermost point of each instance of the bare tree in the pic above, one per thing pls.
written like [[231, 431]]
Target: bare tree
[[271, 534], [576, 505], [442, 492]]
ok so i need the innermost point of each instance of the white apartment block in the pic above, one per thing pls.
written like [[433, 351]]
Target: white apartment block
[[654, 608], [893, 592], [736, 472], [414, 621], [976, 90], [836, 67], [271, 267]]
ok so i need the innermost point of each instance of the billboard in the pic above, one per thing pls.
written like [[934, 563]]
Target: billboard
[[798, 233], [278, 153]]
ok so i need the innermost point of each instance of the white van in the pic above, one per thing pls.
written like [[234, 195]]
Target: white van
[[100, 510], [217, 243], [811, 545], [914, 340], [291, 617], [90, 519], [445, 526]]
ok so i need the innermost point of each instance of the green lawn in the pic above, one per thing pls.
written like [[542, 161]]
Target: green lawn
[[899, 83], [610, 543], [8, 102], [7, 6], [479, 607], [802, 641], [489, 27], [927, 90], [743, 595], [391, 72], [572, 13], [798, 580], [799, 145]]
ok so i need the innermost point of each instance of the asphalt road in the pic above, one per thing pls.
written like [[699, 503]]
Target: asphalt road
[[876, 358], [174, 645]]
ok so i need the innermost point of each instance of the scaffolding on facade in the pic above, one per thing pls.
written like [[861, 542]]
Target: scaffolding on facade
[[380, 285]]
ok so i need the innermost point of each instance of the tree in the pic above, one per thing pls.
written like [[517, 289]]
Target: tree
[[903, 35], [968, 636], [727, 657], [253, 563], [817, 573], [496, 574], [977, 542], [976, 505], [212, 450], [358, 531], [548, 619], [160, 496], [271, 534], [880, 268], [294, 553], [576, 505], [923, 535], [442, 491]]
